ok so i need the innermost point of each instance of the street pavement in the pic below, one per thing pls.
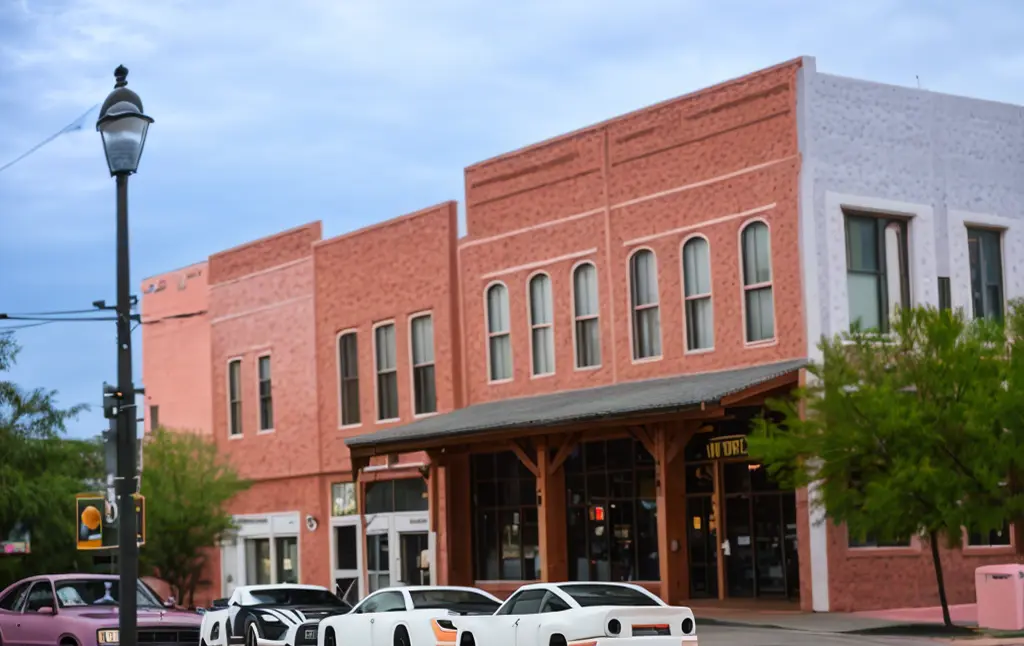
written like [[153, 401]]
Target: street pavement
[[713, 635]]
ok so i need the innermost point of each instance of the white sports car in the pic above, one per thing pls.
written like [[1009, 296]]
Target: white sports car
[[269, 615], [405, 616], [576, 614]]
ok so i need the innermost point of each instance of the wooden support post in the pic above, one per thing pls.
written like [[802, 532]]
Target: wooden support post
[[718, 505], [672, 518], [459, 513], [551, 524]]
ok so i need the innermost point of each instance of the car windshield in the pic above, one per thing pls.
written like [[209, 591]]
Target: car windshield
[[297, 597], [607, 595], [452, 600], [72, 593]]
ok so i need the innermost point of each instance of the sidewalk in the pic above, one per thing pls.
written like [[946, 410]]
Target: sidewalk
[[908, 621]]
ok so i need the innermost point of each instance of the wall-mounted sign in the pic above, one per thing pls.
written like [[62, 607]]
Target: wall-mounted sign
[[729, 446]]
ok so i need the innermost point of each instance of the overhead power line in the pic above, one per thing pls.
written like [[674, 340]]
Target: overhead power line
[[75, 125]]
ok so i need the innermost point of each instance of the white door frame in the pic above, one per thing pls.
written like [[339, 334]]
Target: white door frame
[[394, 525], [348, 521], [271, 527]]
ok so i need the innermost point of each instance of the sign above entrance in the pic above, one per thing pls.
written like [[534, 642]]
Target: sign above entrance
[[729, 446]]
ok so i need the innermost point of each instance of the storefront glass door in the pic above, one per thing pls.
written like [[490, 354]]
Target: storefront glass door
[[414, 560], [378, 565]]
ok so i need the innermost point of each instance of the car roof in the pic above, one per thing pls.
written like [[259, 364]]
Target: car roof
[[279, 586], [79, 577]]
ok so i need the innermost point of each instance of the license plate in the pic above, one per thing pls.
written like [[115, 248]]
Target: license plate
[[311, 634]]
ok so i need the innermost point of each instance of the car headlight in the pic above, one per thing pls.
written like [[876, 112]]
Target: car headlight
[[108, 636], [270, 619]]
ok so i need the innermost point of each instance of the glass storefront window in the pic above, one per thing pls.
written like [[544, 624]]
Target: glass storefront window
[[612, 514], [506, 537], [257, 561], [343, 499], [287, 549], [386, 496]]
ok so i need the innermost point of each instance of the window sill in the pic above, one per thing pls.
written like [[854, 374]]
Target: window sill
[[640, 362], [498, 382], [766, 343], [879, 552], [348, 427], [390, 420], [699, 351], [587, 368], [265, 431], [545, 375], [424, 415], [989, 550], [236, 437]]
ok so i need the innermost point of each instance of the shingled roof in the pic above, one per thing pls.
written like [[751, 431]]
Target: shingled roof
[[604, 402]]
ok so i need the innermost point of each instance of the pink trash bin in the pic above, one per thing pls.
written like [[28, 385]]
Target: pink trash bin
[[1000, 593]]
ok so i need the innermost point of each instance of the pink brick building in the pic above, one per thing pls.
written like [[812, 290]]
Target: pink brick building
[[561, 393]]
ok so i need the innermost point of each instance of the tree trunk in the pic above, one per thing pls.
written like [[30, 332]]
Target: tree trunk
[[933, 538]]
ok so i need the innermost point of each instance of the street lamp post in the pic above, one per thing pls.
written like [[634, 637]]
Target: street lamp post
[[123, 126]]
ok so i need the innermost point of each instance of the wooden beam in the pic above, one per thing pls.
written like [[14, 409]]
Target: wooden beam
[[641, 434], [789, 379], [524, 457], [564, 451], [676, 445]]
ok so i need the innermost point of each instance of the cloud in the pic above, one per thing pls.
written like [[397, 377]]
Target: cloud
[[270, 113]]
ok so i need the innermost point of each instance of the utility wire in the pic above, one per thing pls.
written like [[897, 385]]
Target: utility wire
[[77, 124], [53, 319], [54, 313]]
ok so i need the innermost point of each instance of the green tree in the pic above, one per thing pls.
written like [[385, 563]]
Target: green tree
[[40, 473], [905, 434], [187, 486]]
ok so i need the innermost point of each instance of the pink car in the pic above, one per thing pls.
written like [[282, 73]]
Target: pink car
[[81, 610]]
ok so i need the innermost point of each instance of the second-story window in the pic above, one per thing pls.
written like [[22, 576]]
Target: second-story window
[[235, 397], [877, 277], [758, 300], [423, 382], [588, 331], [986, 258], [542, 336], [387, 372], [266, 395], [700, 324], [499, 336], [348, 376], [643, 275]]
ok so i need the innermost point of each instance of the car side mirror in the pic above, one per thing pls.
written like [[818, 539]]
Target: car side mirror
[[169, 603], [46, 610]]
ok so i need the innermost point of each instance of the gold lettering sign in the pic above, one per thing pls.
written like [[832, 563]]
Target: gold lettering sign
[[732, 446]]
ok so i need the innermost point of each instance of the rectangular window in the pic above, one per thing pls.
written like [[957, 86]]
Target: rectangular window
[[387, 372], [505, 524], [257, 561], [345, 548], [423, 381], [871, 541], [343, 499], [986, 258], [945, 295], [235, 397], [154, 418], [612, 518], [266, 397], [499, 336], [995, 538], [588, 332], [542, 336], [348, 378], [646, 313], [877, 275], [287, 549]]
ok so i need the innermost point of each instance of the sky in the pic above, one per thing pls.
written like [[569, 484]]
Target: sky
[[273, 113]]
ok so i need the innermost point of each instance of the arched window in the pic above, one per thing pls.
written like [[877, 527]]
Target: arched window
[[585, 314], [542, 335], [757, 283], [700, 324], [499, 340], [643, 274]]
